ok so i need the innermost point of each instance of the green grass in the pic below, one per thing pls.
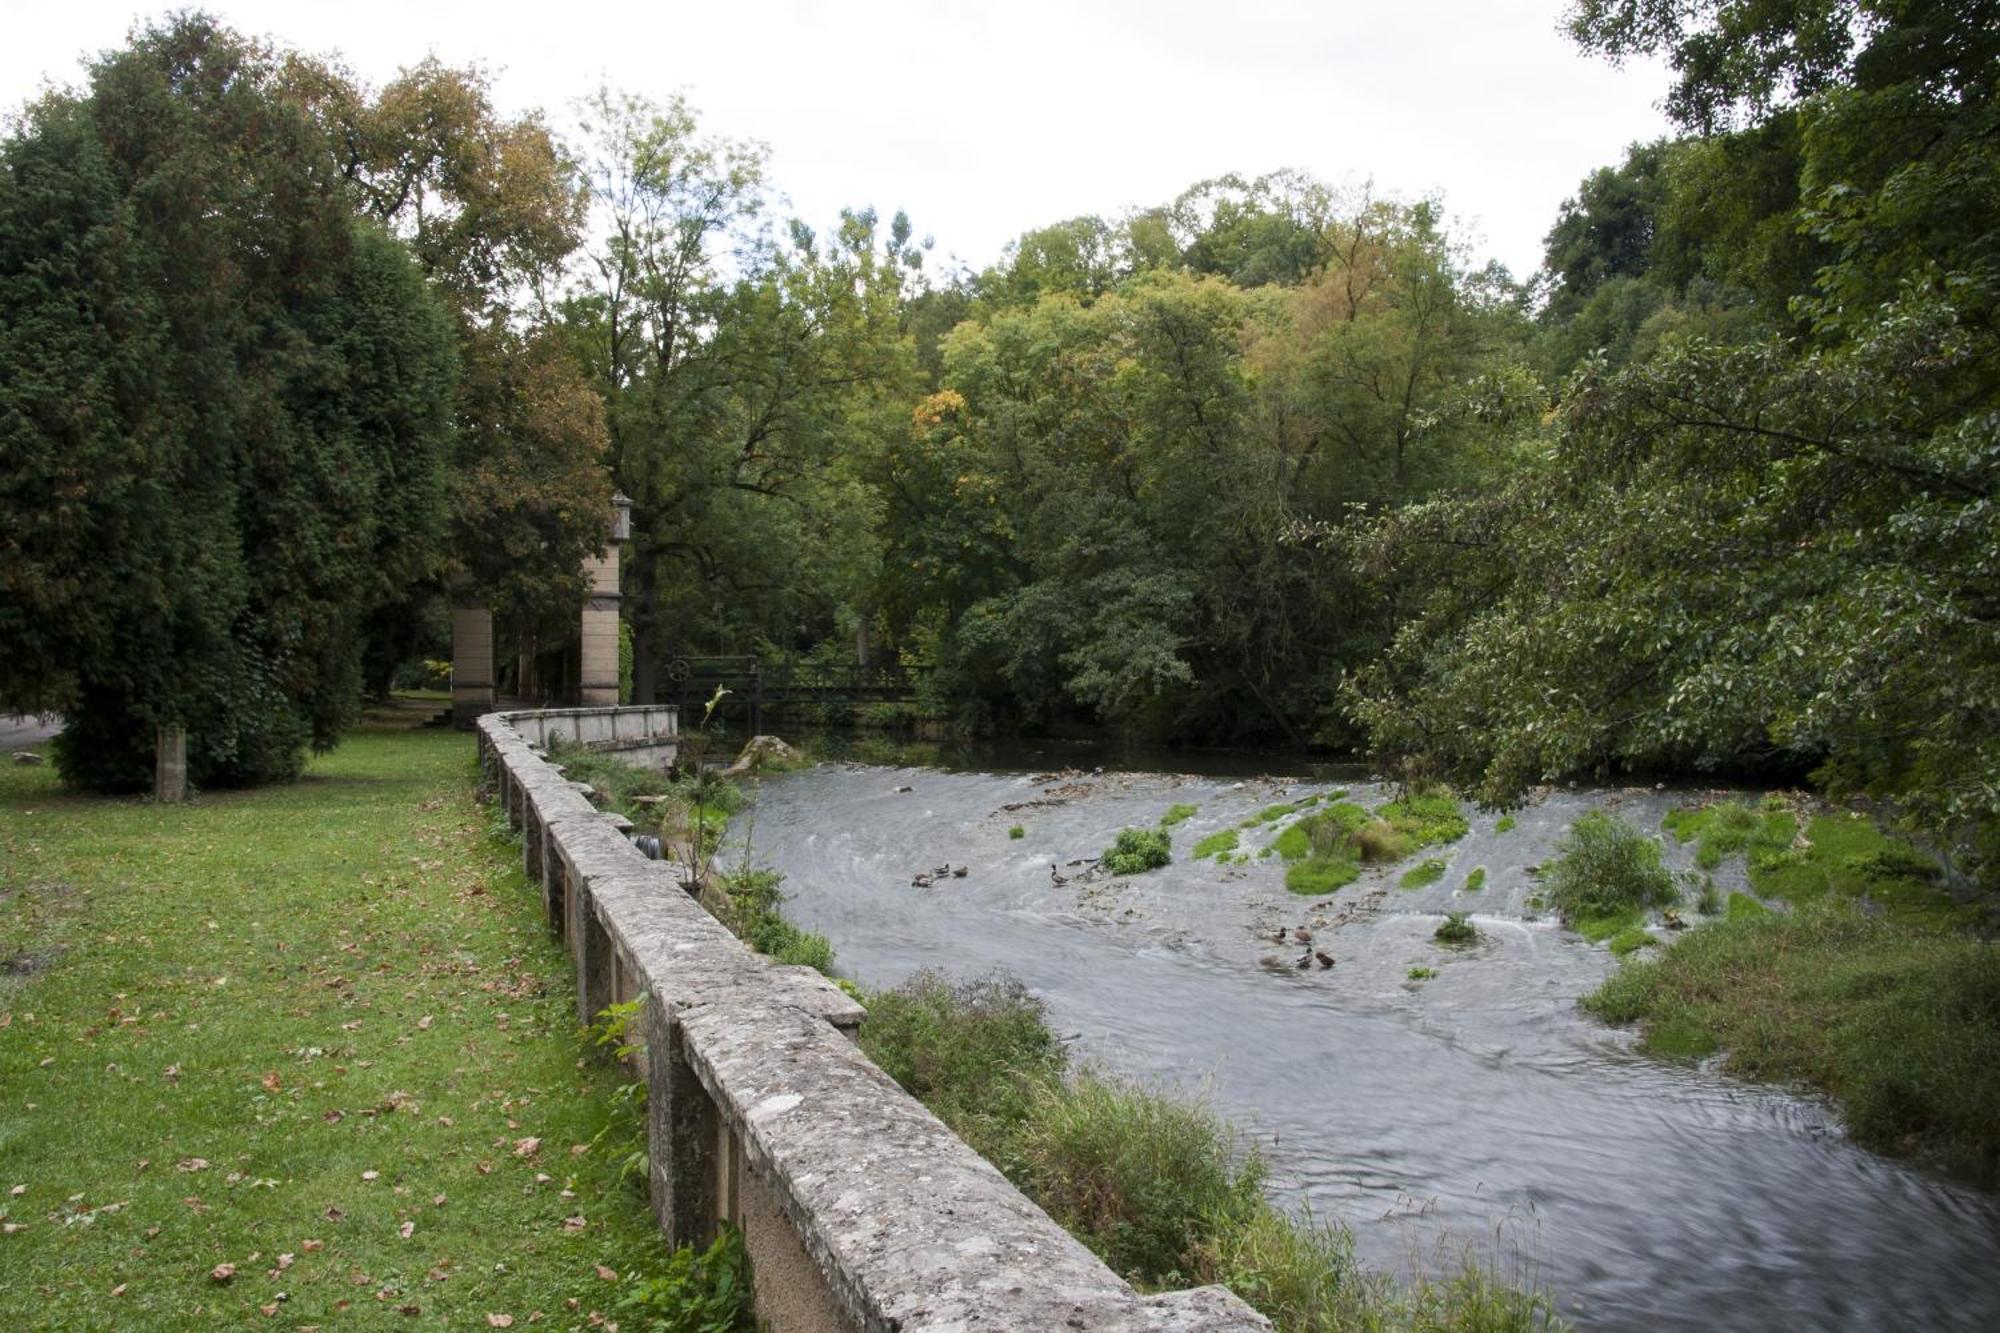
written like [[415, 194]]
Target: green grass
[[1422, 973], [1630, 940], [1223, 842], [1476, 881], [1841, 854], [1177, 813], [1426, 819], [1506, 824], [1158, 1186], [219, 1017], [1320, 875], [1271, 814], [1899, 1022], [1423, 874], [1017, 833], [1135, 851]]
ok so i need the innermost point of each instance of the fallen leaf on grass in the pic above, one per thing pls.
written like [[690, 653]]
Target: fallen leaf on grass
[[371, 1175], [527, 1147], [574, 1223], [312, 1246], [424, 1023], [499, 1321], [407, 1230], [222, 1272], [438, 1202], [272, 1083], [608, 1274], [118, 1290], [18, 1191], [284, 1261], [191, 1164]]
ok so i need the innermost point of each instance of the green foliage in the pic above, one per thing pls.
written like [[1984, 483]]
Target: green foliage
[[1476, 881], [749, 902], [705, 1291], [1422, 973], [1900, 1024], [1136, 851], [1424, 873], [1223, 842], [1607, 871], [1017, 833], [1456, 928], [1177, 813], [1506, 824], [1630, 940]]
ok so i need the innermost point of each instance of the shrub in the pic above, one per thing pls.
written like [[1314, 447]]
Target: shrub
[[1300, 1274], [1143, 1180], [1605, 869], [1135, 851], [1378, 841], [701, 1291]]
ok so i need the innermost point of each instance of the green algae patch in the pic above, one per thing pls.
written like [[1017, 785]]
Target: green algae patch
[[1177, 813], [1476, 881], [1506, 824]]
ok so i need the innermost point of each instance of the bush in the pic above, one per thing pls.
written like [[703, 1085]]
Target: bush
[[972, 1051], [1142, 1179], [1604, 869], [701, 1291], [1136, 851]]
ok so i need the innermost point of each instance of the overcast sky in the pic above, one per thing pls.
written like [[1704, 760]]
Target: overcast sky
[[985, 119]]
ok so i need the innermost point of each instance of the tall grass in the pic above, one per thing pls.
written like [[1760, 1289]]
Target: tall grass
[[1606, 874]]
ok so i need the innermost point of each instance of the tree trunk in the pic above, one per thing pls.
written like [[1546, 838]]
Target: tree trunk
[[170, 764]]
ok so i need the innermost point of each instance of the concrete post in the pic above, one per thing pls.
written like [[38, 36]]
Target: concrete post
[[681, 1132], [471, 664], [170, 764], [598, 660]]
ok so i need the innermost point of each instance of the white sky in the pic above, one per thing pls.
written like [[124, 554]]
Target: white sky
[[986, 119]]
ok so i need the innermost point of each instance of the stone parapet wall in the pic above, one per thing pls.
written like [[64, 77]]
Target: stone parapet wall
[[860, 1209]]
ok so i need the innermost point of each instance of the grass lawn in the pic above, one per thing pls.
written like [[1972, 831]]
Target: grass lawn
[[316, 1032]]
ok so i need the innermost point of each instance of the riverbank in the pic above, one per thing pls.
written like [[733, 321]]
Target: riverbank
[[304, 1052]]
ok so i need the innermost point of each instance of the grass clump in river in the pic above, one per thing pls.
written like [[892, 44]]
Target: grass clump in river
[[1423, 874], [1223, 842], [1606, 875], [1135, 851], [1159, 1187], [1506, 824], [1476, 881], [1456, 928], [1017, 833], [1178, 813], [1900, 1023]]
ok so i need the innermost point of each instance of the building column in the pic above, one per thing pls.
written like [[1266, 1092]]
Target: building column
[[598, 660], [471, 664]]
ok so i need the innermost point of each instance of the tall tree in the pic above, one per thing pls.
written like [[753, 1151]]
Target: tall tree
[[222, 418]]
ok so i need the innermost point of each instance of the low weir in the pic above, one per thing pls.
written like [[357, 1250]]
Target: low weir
[[860, 1210]]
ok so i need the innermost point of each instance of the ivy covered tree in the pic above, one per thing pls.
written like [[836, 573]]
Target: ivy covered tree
[[223, 412]]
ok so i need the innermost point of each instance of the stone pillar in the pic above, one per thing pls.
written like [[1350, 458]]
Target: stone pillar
[[598, 660], [471, 664], [682, 1129]]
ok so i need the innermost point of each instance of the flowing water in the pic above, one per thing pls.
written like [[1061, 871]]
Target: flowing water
[[1479, 1106]]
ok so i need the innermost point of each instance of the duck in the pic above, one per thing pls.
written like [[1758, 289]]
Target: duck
[[1279, 938], [1325, 959], [960, 872], [1305, 960], [1302, 935], [922, 881], [1057, 875]]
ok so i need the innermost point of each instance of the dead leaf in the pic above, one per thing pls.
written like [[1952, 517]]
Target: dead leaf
[[485, 1168], [192, 1164], [424, 1023], [527, 1147], [18, 1191], [499, 1321], [608, 1274], [371, 1175], [438, 1202], [334, 1214], [270, 1309], [284, 1262], [272, 1083], [118, 1290], [408, 1229], [312, 1246], [334, 1116], [574, 1223], [222, 1272]]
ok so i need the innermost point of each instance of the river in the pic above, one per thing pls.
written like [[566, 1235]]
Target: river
[[1478, 1107]]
